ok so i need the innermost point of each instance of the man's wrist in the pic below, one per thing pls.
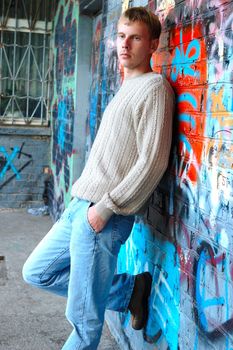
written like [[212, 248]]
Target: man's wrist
[[104, 212]]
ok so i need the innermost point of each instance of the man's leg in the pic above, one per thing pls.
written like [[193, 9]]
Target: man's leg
[[48, 266], [93, 262]]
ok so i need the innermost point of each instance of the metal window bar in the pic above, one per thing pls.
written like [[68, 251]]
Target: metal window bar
[[34, 21], [28, 75], [43, 68], [13, 86]]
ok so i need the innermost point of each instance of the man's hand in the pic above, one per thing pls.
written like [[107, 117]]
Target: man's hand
[[96, 222]]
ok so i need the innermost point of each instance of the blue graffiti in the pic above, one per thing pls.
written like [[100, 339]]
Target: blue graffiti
[[165, 297], [65, 36], [207, 258], [63, 127], [93, 114], [143, 251], [9, 162], [188, 97], [65, 44], [62, 112], [182, 61], [185, 141], [203, 303], [185, 117]]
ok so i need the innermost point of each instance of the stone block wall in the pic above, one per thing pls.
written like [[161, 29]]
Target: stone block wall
[[24, 166]]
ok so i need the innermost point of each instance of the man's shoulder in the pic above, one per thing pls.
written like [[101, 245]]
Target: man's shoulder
[[152, 77], [144, 86], [153, 81], [159, 81]]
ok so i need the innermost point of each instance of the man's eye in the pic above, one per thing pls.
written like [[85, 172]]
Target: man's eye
[[121, 36], [137, 38]]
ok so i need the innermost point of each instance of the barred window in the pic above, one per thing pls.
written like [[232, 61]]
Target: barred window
[[25, 61]]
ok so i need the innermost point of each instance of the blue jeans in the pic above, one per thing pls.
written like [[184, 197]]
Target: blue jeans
[[74, 261]]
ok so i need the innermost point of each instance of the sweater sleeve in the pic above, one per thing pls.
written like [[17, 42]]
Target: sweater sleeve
[[153, 135]]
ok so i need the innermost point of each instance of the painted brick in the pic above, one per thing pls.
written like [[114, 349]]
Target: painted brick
[[24, 152]]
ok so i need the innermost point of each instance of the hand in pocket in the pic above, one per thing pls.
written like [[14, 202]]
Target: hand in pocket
[[96, 222]]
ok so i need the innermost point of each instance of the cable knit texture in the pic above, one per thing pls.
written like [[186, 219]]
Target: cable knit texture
[[131, 150]]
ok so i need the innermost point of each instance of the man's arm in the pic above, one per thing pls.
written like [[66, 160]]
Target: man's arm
[[153, 141]]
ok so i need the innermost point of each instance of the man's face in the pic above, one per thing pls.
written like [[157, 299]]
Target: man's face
[[134, 45]]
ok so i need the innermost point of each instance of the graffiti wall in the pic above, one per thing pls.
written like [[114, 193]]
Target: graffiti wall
[[95, 96], [105, 77], [63, 101], [186, 239], [196, 57]]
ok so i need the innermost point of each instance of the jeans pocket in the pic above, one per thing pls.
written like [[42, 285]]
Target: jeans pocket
[[89, 204], [127, 223], [122, 228], [68, 212]]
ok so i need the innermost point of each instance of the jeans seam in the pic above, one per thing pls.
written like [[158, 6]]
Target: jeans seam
[[129, 294], [85, 298], [114, 233], [51, 263]]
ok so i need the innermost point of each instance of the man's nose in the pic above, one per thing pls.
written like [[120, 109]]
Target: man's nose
[[125, 43]]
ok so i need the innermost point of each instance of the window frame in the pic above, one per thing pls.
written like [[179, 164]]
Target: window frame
[[14, 115]]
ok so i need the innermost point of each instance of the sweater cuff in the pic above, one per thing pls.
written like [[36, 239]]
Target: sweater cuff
[[103, 211]]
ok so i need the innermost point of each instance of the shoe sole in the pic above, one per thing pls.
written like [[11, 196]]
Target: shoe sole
[[148, 284]]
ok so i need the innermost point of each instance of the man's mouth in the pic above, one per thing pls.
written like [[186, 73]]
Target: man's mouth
[[125, 55]]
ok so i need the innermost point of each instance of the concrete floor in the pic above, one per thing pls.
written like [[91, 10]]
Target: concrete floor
[[30, 318]]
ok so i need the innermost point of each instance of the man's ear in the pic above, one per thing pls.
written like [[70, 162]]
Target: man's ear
[[154, 45]]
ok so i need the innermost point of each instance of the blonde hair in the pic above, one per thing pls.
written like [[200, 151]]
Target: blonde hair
[[141, 14]]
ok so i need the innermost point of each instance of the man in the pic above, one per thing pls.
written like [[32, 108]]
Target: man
[[78, 257]]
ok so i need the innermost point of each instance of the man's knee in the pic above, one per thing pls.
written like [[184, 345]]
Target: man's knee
[[28, 274]]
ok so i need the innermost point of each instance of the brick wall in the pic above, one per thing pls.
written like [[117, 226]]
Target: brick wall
[[24, 163], [186, 240]]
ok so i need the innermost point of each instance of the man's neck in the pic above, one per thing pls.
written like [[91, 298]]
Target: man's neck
[[131, 73]]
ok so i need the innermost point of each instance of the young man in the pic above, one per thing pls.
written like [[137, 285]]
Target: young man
[[78, 257]]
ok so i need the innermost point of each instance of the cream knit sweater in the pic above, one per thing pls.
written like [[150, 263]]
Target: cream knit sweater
[[131, 150]]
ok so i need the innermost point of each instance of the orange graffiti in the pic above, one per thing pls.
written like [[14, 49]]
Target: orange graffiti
[[182, 58]]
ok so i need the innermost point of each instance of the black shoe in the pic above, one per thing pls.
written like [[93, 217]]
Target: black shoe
[[138, 305]]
